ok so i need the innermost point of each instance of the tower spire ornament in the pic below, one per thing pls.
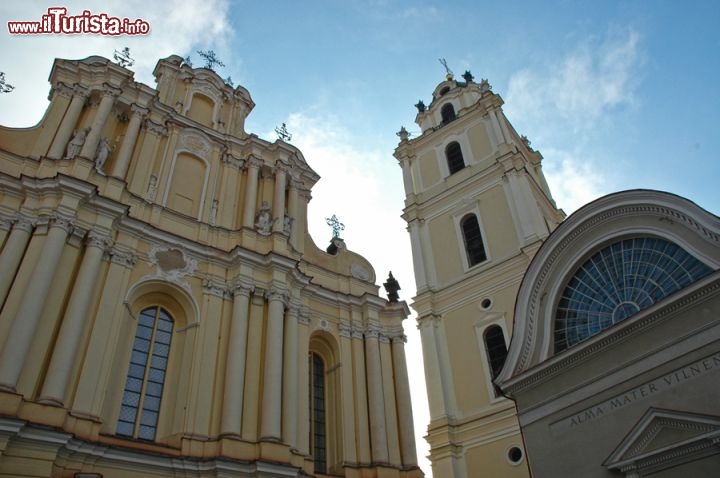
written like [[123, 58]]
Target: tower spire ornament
[[283, 133]]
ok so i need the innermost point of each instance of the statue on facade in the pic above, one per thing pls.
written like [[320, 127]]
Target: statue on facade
[[103, 151], [391, 288], [263, 219], [213, 212], [76, 143], [152, 189], [420, 106], [287, 224]]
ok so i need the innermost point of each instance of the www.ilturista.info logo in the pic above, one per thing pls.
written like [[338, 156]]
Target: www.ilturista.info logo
[[58, 21]]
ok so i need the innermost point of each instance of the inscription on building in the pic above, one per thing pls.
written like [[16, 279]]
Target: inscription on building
[[644, 391]]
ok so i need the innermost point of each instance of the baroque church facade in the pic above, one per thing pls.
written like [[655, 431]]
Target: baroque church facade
[[586, 346], [164, 309]]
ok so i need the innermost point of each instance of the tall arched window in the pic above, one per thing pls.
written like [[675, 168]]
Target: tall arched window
[[448, 113], [472, 237], [496, 350], [454, 157], [318, 425], [140, 406]]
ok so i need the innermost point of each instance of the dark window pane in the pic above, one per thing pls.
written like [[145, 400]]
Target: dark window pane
[[473, 240], [454, 157]]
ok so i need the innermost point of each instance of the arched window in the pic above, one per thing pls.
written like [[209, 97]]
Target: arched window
[[496, 350], [472, 237], [454, 157], [141, 399], [318, 425], [447, 112], [617, 282]]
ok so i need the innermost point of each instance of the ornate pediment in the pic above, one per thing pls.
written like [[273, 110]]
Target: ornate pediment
[[662, 439]]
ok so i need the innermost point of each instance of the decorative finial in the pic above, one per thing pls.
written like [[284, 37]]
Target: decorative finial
[[403, 134], [468, 76], [449, 75], [485, 85], [391, 287], [420, 106], [336, 225], [123, 59], [283, 133]]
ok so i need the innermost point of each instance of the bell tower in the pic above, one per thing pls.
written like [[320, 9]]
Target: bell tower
[[478, 208]]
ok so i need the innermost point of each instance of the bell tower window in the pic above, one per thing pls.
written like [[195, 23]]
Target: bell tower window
[[496, 350], [447, 113], [454, 156], [472, 237]]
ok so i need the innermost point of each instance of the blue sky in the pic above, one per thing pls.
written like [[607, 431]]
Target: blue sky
[[615, 95]]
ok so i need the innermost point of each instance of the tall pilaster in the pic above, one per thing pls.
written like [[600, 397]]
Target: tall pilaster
[[126, 148], [404, 403], [303, 416], [103, 112], [71, 330], [290, 377], [251, 404], [12, 253], [361, 403], [235, 365], [67, 125], [391, 419], [376, 398], [279, 197], [26, 320], [253, 170], [271, 424]]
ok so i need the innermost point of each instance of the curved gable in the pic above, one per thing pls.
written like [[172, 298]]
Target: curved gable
[[653, 223]]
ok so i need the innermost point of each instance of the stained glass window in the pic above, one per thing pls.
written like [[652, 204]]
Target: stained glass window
[[140, 406], [619, 281]]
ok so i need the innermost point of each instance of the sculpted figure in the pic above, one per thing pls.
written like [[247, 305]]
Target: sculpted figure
[[76, 143], [103, 151], [264, 221]]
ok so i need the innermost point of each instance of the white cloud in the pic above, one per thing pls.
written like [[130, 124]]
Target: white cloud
[[573, 182], [175, 28], [584, 85]]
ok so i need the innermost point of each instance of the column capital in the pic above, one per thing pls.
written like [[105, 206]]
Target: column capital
[[232, 161], [253, 162], [155, 128], [281, 167], [240, 288], [99, 240], [345, 330], [81, 91], [124, 258], [138, 110], [23, 222], [399, 339], [215, 287], [304, 316], [63, 90], [64, 222], [278, 293], [428, 320], [110, 90], [258, 295], [383, 338]]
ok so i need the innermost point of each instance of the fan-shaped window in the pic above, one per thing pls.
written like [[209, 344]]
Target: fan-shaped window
[[140, 407], [447, 113], [454, 157], [619, 281], [496, 350], [473, 240]]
